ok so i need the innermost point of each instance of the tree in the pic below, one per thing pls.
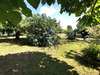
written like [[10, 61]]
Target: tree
[[20, 28], [65, 30], [1, 29], [6, 28], [10, 28], [42, 30], [69, 27], [92, 16], [94, 32], [84, 33], [70, 33], [10, 8]]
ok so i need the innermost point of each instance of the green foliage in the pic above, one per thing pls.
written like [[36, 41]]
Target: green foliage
[[94, 32], [9, 9], [2, 18], [93, 52], [11, 29], [69, 27], [49, 2], [60, 30], [38, 30], [92, 16], [70, 35], [77, 7], [82, 27], [87, 20], [7, 27], [69, 32], [27, 12], [12, 15], [65, 30], [34, 3]]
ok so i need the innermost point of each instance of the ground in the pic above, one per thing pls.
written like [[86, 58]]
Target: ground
[[17, 58]]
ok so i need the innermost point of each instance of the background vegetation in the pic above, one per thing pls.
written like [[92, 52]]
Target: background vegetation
[[73, 57]]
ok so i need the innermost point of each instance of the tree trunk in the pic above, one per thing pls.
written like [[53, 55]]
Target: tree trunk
[[17, 35], [8, 33]]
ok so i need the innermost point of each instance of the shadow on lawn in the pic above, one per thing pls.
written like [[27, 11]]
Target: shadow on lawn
[[33, 63], [83, 60], [22, 41]]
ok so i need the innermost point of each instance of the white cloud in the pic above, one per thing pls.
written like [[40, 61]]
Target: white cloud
[[64, 22], [48, 11]]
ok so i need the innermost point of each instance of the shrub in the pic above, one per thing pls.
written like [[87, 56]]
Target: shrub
[[93, 52], [42, 30], [94, 32], [70, 35]]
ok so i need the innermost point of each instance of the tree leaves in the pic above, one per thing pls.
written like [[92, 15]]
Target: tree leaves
[[92, 16], [78, 7], [27, 12], [9, 8], [34, 3], [43, 2], [49, 2], [6, 5], [86, 20], [22, 4], [3, 15], [14, 3], [14, 17]]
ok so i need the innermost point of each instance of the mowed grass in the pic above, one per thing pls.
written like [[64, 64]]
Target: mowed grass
[[17, 58]]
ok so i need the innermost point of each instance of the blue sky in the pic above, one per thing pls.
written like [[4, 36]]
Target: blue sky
[[54, 12]]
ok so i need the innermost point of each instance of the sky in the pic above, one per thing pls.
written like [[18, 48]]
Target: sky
[[54, 12]]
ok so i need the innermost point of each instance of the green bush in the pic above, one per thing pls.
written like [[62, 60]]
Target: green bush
[[70, 35], [42, 30], [94, 32], [93, 52]]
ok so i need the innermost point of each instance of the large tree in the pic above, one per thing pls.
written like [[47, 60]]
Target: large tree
[[12, 9]]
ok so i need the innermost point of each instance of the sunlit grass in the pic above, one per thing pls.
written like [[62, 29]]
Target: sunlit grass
[[7, 48]]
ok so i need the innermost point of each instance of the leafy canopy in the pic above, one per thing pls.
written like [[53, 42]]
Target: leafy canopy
[[92, 16], [12, 9], [10, 29]]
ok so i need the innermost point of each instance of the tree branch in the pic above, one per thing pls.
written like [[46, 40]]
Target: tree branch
[[93, 7]]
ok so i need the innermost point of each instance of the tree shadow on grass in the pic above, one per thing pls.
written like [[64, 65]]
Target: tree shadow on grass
[[22, 41], [33, 63], [83, 60]]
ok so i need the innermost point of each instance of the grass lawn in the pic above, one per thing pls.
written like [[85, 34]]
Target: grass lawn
[[17, 58]]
